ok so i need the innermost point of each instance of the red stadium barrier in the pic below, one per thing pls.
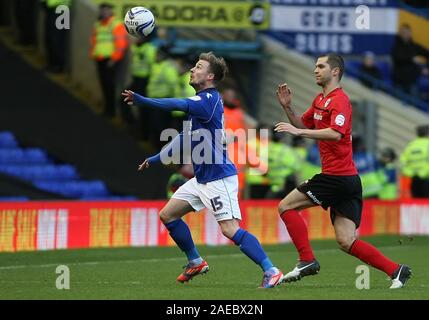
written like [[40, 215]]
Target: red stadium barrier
[[30, 226]]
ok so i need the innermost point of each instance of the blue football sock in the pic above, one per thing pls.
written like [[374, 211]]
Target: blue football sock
[[251, 247], [180, 233]]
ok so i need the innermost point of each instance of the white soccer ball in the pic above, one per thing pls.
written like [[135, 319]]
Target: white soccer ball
[[139, 21]]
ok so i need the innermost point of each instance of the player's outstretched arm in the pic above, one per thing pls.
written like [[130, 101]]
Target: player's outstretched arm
[[284, 96], [167, 104], [174, 145], [319, 134]]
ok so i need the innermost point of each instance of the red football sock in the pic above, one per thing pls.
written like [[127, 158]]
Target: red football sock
[[372, 256], [298, 232]]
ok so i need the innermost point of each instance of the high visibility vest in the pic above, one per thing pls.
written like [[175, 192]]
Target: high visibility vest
[[415, 158], [104, 39], [366, 165], [163, 80], [305, 169], [282, 162], [389, 182], [183, 90], [56, 3], [144, 57], [256, 175], [371, 184]]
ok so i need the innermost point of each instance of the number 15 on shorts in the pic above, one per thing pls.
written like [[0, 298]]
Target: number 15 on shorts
[[216, 203]]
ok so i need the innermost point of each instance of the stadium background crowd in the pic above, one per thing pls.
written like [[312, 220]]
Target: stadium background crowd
[[154, 67]]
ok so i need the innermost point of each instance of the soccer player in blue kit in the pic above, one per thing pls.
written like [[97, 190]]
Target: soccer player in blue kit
[[215, 185]]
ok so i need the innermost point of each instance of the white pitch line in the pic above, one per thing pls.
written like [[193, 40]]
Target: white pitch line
[[90, 263]]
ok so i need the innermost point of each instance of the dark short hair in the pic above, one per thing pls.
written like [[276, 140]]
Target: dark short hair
[[389, 153], [217, 65], [423, 130], [335, 61]]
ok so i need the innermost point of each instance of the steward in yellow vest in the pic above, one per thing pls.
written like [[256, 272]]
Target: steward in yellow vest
[[257, 181], [163, 80], [143, 56], [388, 175], [415, 163], [109, 42], [282, 167]]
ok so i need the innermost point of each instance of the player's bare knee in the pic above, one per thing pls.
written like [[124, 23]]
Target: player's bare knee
[[345, 242], [285, 205], [165, 216], [228, 229]]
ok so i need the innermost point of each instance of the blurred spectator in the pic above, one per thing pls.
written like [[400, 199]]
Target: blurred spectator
[[162, 83], [55, 39], [388, 175], [424, 85], [367, 166], [25, 15], [369, 68], [234, 120], [415, 163], [183, 90], [109, 42], [143, 56], [408, 60], [256, 173], [282, 167], [307, 165]]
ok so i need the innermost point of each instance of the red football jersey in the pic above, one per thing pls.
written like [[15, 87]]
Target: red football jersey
[[333, 111]]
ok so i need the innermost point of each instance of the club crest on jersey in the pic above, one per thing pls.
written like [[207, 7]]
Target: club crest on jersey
[[327, 103]]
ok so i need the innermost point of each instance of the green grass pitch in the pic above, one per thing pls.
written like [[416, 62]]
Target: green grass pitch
[[150, 273]]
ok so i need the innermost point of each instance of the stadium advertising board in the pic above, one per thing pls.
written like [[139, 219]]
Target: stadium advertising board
[[31, 226], [202, 14], [343, 26]]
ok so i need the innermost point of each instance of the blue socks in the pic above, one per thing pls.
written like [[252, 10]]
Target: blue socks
[[181, 234], [251, 247]]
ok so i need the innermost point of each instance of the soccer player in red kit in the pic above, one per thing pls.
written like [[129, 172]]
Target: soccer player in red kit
[[329, 121]]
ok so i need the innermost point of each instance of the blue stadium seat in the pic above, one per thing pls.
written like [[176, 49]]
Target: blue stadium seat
[[36, 155], [11, 155], [34, 164], [22, 156], [385, 70], [74, 189], [7, 140], [13, 199], [40, 172]]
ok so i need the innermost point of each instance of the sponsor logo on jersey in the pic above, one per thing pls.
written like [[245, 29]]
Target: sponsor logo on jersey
[[317, 116], [339, 120]]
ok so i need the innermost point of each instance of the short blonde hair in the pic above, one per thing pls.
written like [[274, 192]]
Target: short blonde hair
[[217, 65]]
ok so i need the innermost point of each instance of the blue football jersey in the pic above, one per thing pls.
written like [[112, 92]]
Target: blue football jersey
[[207, 137]]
